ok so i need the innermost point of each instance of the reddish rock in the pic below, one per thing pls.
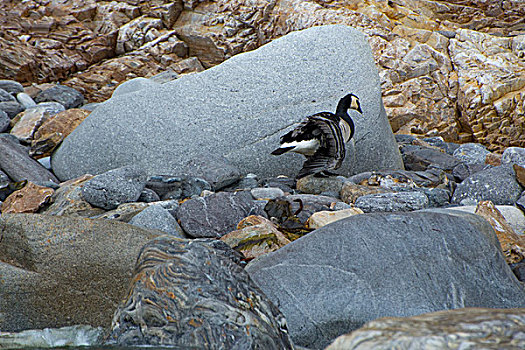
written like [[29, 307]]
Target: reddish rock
[[27, 200], [520, 174]]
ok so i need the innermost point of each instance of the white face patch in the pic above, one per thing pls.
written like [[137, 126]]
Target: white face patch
[[354, 104]]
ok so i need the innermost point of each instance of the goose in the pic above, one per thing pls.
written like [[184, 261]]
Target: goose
[[321, 138]]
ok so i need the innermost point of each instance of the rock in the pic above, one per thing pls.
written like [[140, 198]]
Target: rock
[[4, 121], [428, 262], [73, 336], [28, 122], [53, 264], [350, 192], [11, 86], [124, 212], [471, 153], [480, 328], [266, 192], [519, 271], [497, 185], [26, 200], [11, 108], [229, 313], [148, 195], [217, 214], [15, 162], [513, 155], [520, 203], [323, 218], [65, 95], [493, 159], [114, 187], [316, 185], [520, 174], [6, 96], [309, 204], [464, 170], [286, 184], [514, 216], [419, 158], [177, 187], [157, 218], [133, 85], [25, 100], [255, 236], [437, 197], [215, 169], [512, 245], [392, 202], [54, 130], [229, 110]]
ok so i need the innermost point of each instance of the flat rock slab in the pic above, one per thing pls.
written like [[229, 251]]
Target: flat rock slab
[[238, 110], [355, 270]]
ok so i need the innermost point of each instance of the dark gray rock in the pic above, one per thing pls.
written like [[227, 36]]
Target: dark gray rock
[[448, 147], [65, 95], [226, 112], [310, 204], [471, 153], [11, 86], [287, 184], [419, 158], [367, 266], [266, 192], [11, 108], [464, 170], [519, 270], [247, 182], [405, 139], [157, 218], [25, 100], [513, 155], [437, 197], [217, 170], [217, 214], [520, 203], [6, 96], [4, 121], [112, 188], [199, 299], [177, 187], [392, 202], [18, 165], [497, 184], [148, 195], [61, 271]]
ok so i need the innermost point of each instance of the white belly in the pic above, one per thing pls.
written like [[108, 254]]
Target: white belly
[[307, 147]]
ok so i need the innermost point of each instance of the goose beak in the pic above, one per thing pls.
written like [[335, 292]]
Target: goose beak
[[359, 109]]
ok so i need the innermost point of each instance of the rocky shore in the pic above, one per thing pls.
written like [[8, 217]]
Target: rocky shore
[[157, 216]]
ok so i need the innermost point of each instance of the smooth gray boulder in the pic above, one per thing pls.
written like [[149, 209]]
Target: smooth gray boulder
[[238, 110], [355, 270], [157, 218]]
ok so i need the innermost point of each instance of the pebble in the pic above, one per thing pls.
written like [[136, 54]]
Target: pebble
[[157, 218], [25, 100], [471, 153], [148, 195], [266, 192], [318, 185], [392, 202], [65, 95]]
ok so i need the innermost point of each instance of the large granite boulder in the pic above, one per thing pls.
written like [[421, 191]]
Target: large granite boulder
[[374, 265], [60, 271], [238, 110]]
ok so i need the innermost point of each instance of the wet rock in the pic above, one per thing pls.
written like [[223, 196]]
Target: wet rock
[[25, 100], [11, 108], [157, 218], [15, 162], [11, 86], [114, 187], [65, 95], [217, 214], [26, 200], [255, 236], [418, 158], [350, 191], [392, 202], [133, 85], [513, 155], [53, 264], [266, 192], [471, 153], [323, 218], [177, 187], [317, 185], [480, 328], [229, 313], [497, 185], [399, 283], [4, 121], [54, 129]]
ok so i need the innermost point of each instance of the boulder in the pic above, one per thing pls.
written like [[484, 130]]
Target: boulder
[[226, 112], [355, 270], [189, 294], [60, 271], [514, 155], [157, 218], [474, 328]]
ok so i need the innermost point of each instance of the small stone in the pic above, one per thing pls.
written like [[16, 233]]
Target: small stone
[[519, 271], [419, 158], [520, 174], [6, 96], [65, 95], [148, 195], [28, 122], [392, 202], [255, 236], [248, 182], [318, 185], [350, 192], [471, 153], [45, 162], [4, 121], [11, 108], [177, 187], [514, 155], [447, 147], [25, 100], [287, 184], [266, 192], [11, 86], [157, 218], [29, 199], [112, 188], [124, 212], [323, 218]]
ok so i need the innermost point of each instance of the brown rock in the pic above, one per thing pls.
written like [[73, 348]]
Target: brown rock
[[520, 174], [350, 191], [54, 130], [27, 200], [512, 244], [323, 218], [493, 159], [255, 236], [27, 122]]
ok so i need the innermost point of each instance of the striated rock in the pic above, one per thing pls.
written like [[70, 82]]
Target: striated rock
[[255, 236], [28, 121], [480, 328], [54, 130], [26, 200], [512, 245], [392, 202], [171, 301], [323, 218], [350, 192]]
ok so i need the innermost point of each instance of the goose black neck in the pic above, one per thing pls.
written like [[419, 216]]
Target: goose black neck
[[342, 110]]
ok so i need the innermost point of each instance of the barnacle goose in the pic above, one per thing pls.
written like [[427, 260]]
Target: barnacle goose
[[321, 138]]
